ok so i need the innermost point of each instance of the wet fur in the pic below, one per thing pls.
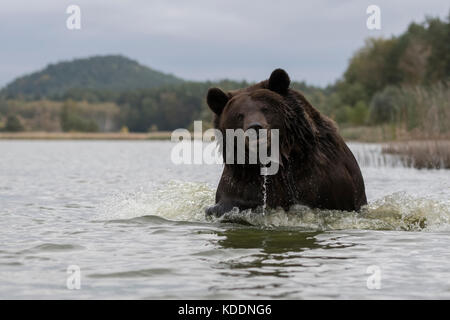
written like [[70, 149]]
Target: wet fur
[[317, 168]]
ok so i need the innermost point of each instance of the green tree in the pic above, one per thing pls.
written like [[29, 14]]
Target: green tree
[[358, 114], [71, 119], [13, 124], [384, 106]]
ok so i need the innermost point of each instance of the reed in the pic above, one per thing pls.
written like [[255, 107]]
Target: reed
[[431, 154]]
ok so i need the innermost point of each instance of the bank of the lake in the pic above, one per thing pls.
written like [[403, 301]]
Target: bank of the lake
[[33, 135]]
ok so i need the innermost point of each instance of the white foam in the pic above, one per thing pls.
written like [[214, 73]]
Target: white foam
[[186, 201], [180, 201]]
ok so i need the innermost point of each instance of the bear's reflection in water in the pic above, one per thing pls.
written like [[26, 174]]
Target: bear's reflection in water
[[266, 255], [276, 241]]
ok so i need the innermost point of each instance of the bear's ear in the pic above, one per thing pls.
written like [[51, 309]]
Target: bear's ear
[[279, 81], [217, 99]]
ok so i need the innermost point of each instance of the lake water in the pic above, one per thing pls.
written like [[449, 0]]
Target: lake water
[[134, 224]]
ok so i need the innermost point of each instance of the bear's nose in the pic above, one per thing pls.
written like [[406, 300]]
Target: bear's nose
[[255, 126]]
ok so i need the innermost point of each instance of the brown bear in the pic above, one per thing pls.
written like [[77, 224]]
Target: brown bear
[[317, 169]]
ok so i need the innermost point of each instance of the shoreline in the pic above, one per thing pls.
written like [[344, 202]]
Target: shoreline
[[40, 135], [163, 135]]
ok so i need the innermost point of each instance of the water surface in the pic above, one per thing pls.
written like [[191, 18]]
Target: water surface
[[134, 224]]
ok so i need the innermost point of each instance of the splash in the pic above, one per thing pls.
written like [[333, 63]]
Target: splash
[[186, 201], [180, 201], [394, 212]]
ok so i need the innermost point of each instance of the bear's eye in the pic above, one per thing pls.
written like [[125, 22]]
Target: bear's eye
[[240, 116], [264, 109]]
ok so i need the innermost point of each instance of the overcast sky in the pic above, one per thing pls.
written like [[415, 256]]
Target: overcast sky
[[206, 39]]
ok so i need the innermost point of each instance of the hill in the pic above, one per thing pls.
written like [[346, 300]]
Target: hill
[[111, 72]]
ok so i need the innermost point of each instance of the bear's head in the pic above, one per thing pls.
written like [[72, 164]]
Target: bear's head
[[269, 104]]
